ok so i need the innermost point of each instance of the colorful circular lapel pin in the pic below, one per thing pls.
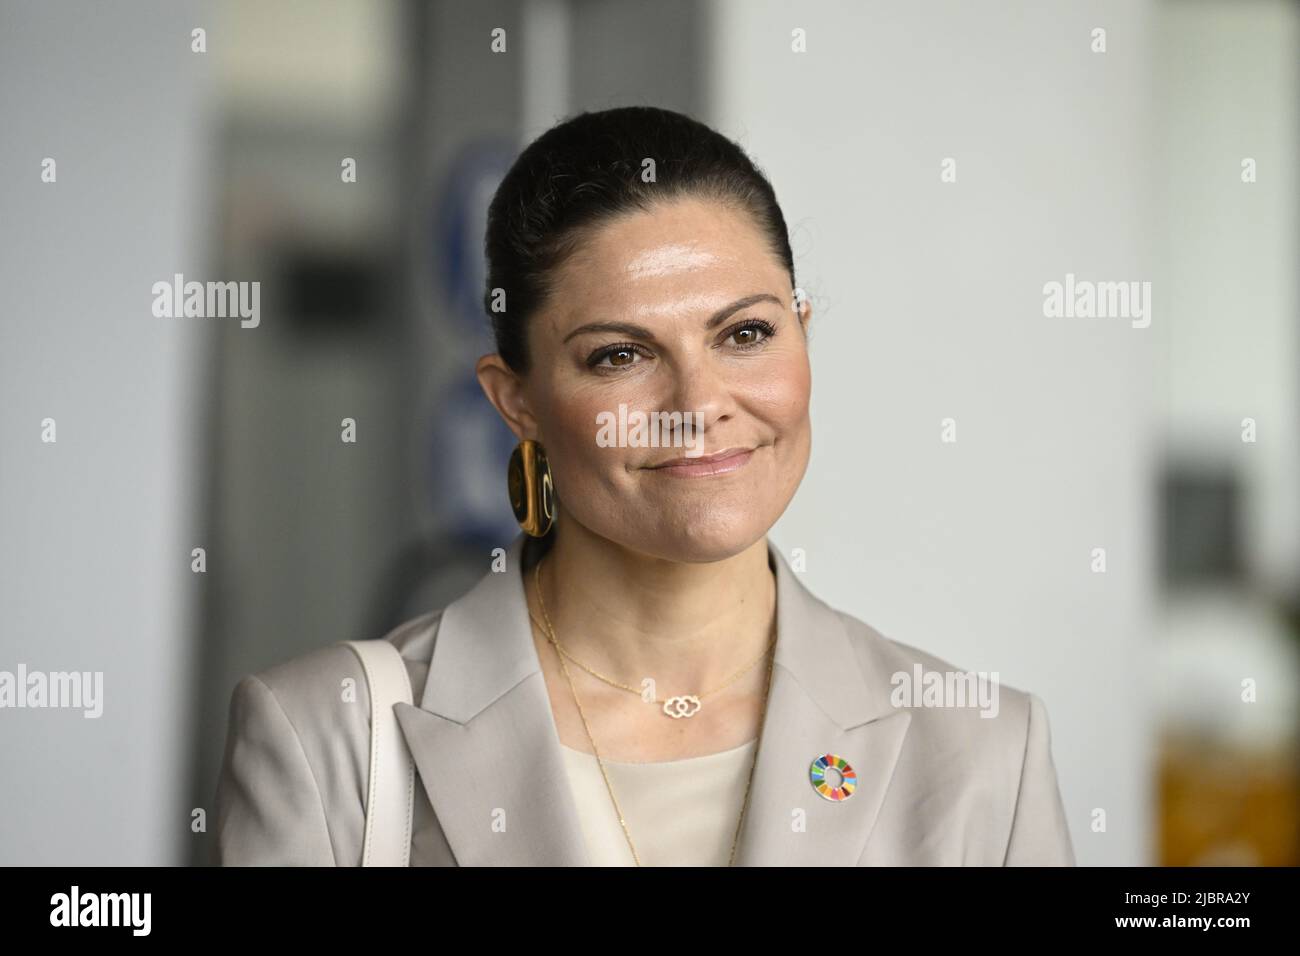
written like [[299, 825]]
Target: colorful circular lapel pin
[[832, 777]]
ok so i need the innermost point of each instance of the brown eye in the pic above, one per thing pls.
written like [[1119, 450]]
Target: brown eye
[[623, 355], [751, 334]]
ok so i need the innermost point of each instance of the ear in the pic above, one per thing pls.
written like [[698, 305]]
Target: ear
[[505, 390]]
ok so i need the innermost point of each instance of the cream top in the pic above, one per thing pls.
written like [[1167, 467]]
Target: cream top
[[679, 812]]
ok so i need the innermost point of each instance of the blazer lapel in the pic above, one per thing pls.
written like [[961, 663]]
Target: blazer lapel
[[488, 753], [825, 698], [484, 738]]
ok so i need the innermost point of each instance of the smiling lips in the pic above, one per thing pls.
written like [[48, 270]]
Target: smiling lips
[[705, 466]]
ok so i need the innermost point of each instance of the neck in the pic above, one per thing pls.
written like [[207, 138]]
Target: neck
[[630, 616]]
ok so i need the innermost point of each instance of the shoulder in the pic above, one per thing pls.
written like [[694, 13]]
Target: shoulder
[[307, 688], [975, 777], [294, 772], [968, 716]]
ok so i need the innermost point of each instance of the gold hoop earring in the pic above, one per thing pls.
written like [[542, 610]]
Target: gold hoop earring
[[532, 495]]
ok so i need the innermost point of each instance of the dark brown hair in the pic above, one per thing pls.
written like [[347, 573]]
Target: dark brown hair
[[584, 172]]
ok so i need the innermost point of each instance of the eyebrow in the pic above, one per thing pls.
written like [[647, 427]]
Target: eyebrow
[[641, 332]]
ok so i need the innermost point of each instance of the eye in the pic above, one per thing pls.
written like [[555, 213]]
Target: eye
[[750, 333], [619, 356]]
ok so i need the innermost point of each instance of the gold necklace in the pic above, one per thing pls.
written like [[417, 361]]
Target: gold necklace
[[681, 705], [550, 634]]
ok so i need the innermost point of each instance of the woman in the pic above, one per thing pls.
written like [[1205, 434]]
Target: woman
[[640, 679]]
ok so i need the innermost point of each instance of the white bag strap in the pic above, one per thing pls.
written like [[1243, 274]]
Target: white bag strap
[[391, 788]]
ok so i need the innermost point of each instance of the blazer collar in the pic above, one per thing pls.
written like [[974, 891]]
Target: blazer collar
[[489, 756]]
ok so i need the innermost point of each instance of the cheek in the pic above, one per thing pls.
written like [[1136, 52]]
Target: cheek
[[578, 463], [783, 396]]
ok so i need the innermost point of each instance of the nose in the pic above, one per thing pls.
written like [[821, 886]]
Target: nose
[[703, 389]]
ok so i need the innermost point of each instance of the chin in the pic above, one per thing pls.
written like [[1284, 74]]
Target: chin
[[715, 538]]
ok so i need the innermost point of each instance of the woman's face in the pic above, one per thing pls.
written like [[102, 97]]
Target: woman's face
[[682, 309]]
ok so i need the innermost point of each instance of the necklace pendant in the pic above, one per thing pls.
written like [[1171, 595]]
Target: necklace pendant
[[683, 705]]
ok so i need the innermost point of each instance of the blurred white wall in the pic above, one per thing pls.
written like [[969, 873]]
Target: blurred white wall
[[1228, 79], [94, 552], [1228, 75], [928, 305]]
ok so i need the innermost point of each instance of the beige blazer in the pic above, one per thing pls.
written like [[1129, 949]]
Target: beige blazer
[[935, 785]]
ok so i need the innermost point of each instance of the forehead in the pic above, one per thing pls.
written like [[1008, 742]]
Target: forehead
[[686, 253]]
